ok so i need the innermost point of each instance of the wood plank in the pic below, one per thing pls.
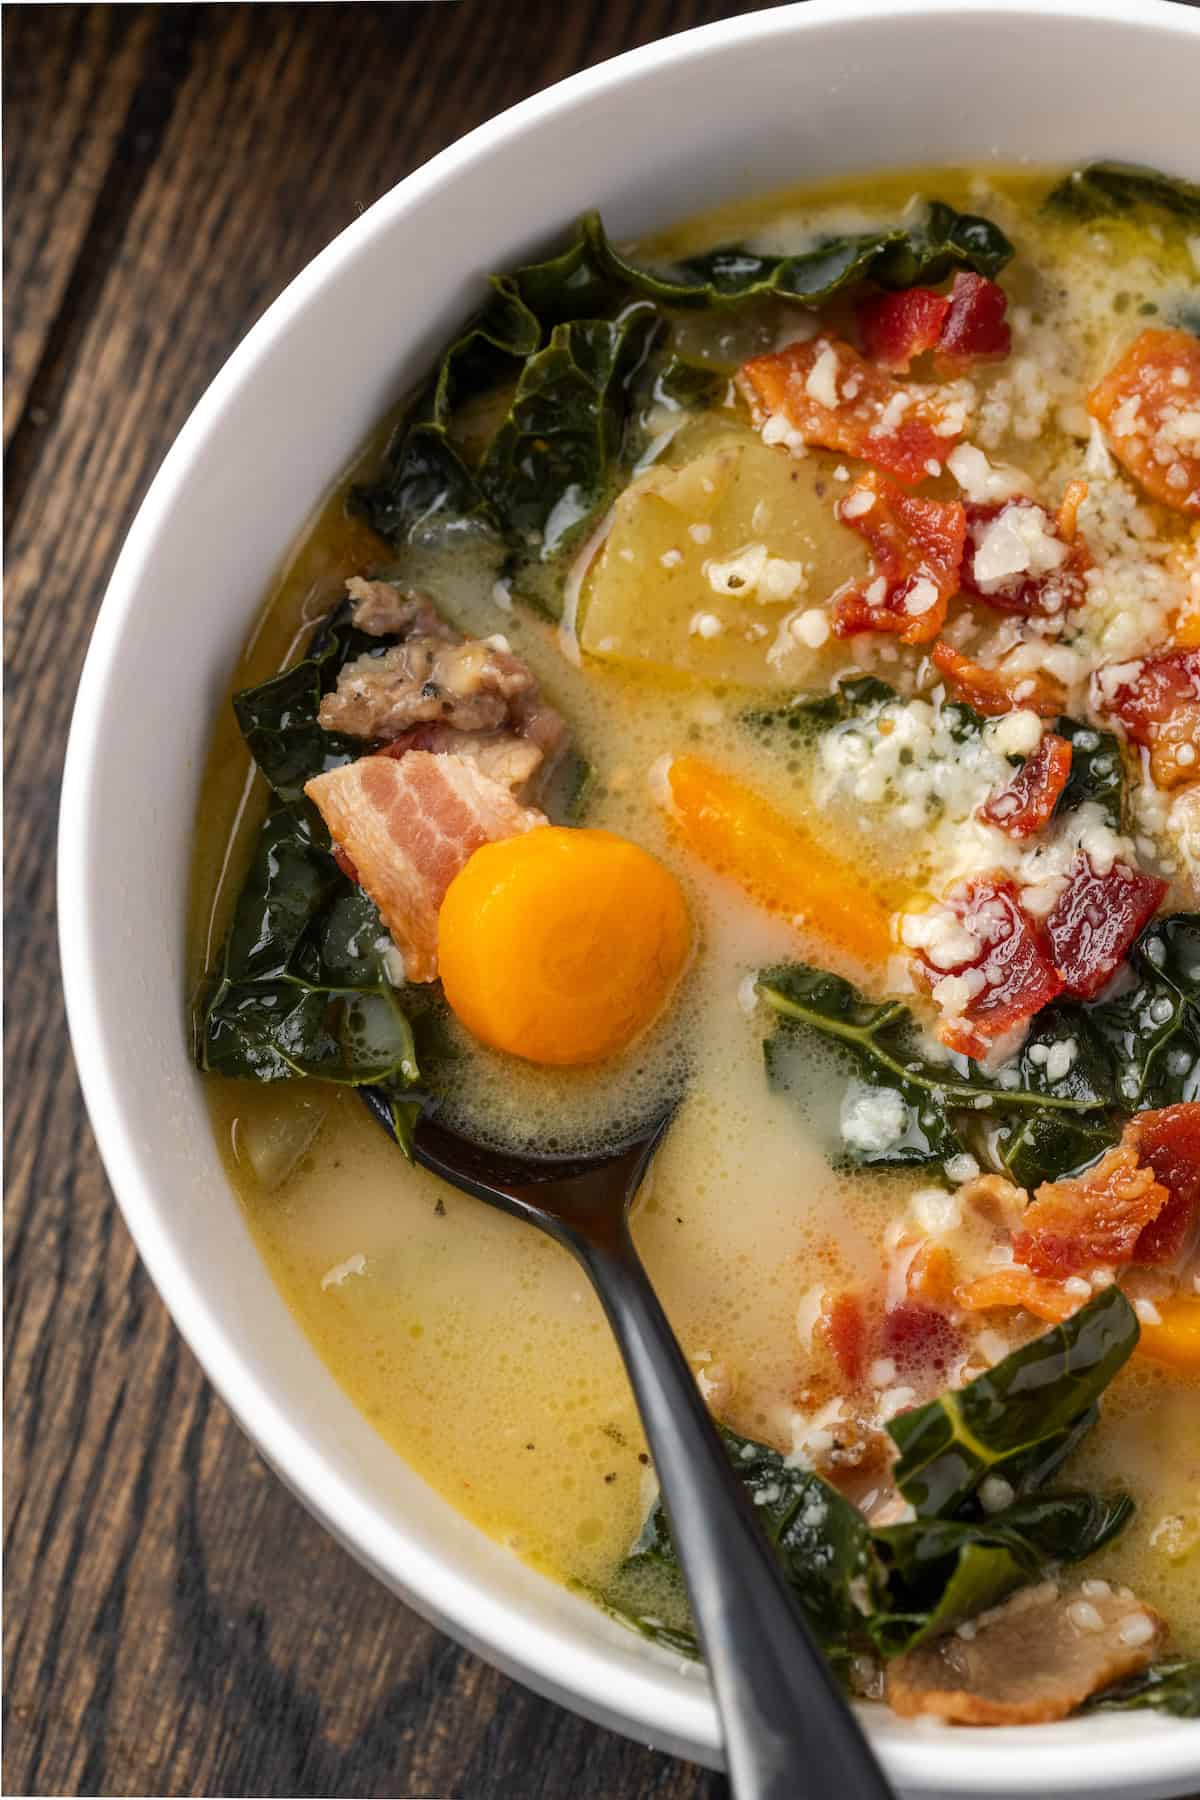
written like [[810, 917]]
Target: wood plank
[[54, 179], [176, 1623]]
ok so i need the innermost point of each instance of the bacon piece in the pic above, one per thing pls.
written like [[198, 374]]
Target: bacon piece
[[1095, 920], [975, 329], [1027, 802], [1149, 406], [1168, 1141], [1090, 1219], [1032, 1659], [408, 826], [896, 327], [1041, 568], [916, 549], [994, 691], [1009, 974], [834, 397], [1157, 700], [844, 1327], [919, 1339], [1016, 1286]]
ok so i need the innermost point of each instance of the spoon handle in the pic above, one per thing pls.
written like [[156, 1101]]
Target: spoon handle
[[789, 1733]]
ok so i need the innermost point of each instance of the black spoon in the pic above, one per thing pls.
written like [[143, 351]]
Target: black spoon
[[789, 1733]]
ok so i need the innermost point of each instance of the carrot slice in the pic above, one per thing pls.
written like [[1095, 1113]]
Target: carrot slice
[[1176, 1340], [775, 860]]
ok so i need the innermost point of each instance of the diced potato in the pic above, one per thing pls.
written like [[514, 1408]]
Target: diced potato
[[705, 563]]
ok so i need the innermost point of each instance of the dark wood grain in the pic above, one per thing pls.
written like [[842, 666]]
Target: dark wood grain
[[174, 1622]]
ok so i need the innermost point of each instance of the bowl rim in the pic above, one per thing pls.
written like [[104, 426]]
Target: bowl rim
[[546, 1655]]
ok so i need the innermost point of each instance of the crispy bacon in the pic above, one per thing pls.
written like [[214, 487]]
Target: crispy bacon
[[993, 691], [1149, 406], [408, 827], [896, 327], [837, 399], [1168, 1141], [1046, 593], [1029, 1660], [844, 1326], [975, 329], [1010, 971], [1027, 802], [1095, 920], [919, 1339], [1091, 1219], [1015, 1286], [1157, 700], [916, 548]]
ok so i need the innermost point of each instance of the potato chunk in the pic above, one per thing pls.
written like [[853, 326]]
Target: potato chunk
[[705, 564]]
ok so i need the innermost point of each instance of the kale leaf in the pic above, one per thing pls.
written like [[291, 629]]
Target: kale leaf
[[1097, 771], [1020, 1418], [1151, 1031], [889, 1587], [565, 346], [278, 718], [822, 1540], [1171, 1686], [303, 988], [941, 1571], [1110, 189], [937, 1103], [897, 257], [550, 465], [852, 697], [1137, 1047]]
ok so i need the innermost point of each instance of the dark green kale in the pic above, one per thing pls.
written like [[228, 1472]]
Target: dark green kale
[[1137, 1047], [890, 1587], [899, 257], [939, 1104], [1020, 1418], [942, 1571], [821, 1539], [1171, 1687], [278, 718], [303, 987], [1112, 189], [551, 464], [853, 697], [1097, 771]]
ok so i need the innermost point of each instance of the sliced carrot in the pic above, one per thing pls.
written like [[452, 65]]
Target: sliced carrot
[[776, 861], [1176, 1340]]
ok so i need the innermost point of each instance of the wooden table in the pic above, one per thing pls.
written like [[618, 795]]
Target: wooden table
[[176, 1623]]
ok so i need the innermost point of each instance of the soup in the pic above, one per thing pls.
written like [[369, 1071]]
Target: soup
[[765, 679]]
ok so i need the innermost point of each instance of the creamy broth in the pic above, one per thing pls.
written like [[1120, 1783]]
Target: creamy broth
[[474, 1345]]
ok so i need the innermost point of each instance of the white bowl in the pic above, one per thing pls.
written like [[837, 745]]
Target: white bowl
[[811, 91]]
